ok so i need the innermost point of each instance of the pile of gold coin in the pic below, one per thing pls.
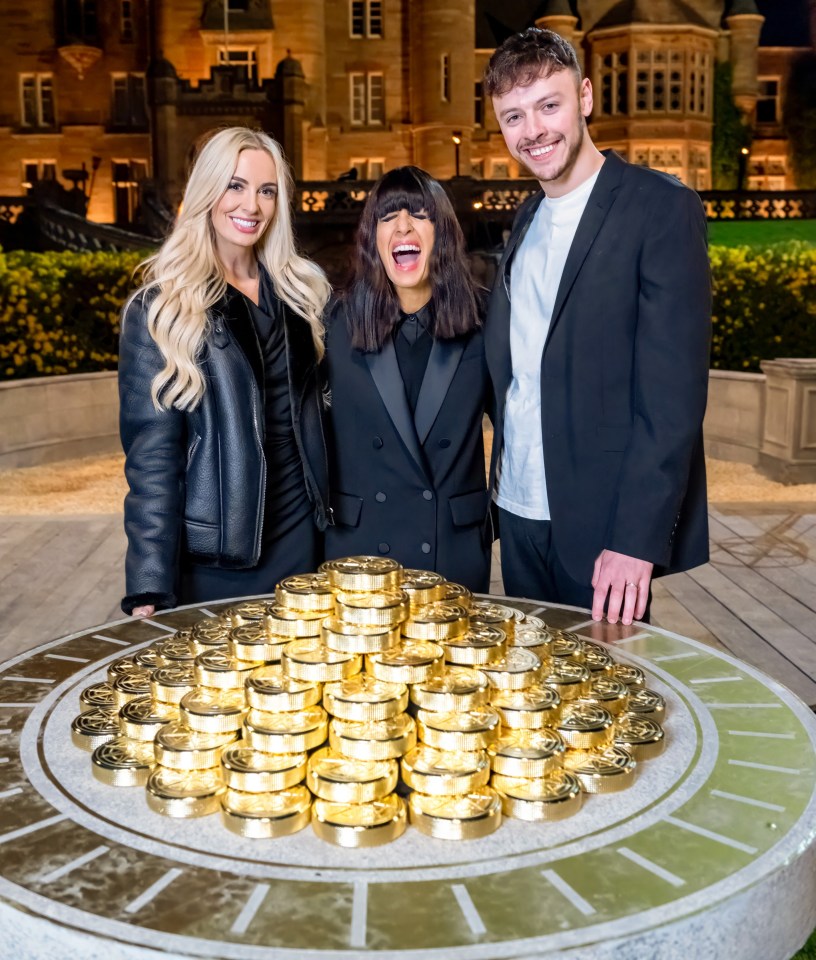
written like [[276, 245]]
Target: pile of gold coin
[[364, 697]]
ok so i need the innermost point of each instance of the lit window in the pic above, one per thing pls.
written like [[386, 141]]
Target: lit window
[[366, 19], [368, 168], [367, 93], [767, 108], [37, 100]]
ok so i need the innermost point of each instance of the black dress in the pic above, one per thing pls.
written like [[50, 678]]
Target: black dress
[[291, 543]]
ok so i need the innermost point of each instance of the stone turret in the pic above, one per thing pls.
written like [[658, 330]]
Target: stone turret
[[442, 47], [744, 21], [559, 17]]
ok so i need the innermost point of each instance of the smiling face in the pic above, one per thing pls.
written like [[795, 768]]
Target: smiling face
[[248, 205], [544, 128], [404, 242]]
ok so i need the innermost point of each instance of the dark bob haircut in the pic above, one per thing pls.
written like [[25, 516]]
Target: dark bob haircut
[[526, 56], [372, 302]]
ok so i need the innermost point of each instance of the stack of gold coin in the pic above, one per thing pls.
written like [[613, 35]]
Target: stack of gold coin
[[423, 587], [362, 574]]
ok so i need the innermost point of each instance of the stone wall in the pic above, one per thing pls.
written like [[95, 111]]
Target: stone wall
[[734, 416]]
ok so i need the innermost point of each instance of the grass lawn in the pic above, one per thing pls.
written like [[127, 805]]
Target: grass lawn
[[760, 233], [808, 952]]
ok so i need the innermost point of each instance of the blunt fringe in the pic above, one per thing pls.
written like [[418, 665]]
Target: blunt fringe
[[372, 303], [185, 278], [526, 56]]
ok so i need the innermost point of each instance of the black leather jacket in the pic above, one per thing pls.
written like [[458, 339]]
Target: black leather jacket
[[197, 479]]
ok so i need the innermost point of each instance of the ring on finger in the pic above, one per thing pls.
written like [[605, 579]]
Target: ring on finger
[[630, 584]]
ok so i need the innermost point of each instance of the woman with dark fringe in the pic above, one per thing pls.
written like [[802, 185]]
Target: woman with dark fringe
[[409, 387]]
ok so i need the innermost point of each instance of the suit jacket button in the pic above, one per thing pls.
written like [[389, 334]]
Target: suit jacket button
[[426, 547], [384, 548], [380, 497], [444, 443], [377, 442], [427, 495]]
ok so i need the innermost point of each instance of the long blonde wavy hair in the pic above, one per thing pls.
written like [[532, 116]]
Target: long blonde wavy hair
[[185, 278]]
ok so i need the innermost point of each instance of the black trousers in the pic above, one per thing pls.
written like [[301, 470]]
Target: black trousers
[[531, 568]]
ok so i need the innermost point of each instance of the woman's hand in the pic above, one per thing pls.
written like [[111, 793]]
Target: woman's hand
[[146, 611]]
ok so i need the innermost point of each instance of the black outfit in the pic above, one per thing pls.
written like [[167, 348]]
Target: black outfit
[[624, 376], [406, 449], [223, 499]]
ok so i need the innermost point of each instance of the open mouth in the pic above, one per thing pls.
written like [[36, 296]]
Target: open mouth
[[541, 151], [245, 226], [406, 255]]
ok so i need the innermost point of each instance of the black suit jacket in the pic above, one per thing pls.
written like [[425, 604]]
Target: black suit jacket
[[624, 373], [410, 487]]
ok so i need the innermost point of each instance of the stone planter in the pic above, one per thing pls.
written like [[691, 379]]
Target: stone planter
[[788, 449]]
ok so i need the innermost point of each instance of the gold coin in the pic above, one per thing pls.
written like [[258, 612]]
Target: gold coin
[[480, 644], [554, 797], [527, 753], [586, 725], [362, 574], [568, 646], [468, 731], [356, 638], [459, 688], [532, 708], [266, 815], [630, 675], [437, 621], [176, 650], [608, 692], [251, 771], [184, 793], [124, 666], [146, 659], [388, 608], [413, 661], [597, 658], [534, 638], [180, 748], [217, 668], [569, 678], [209, 633], [306, 591], [364, 697], [373, 739], [292, 732], [534, 623], [646, 702], [332, 776], [359, 824], [250, 611], [143, 717], [606, 770], [466, 817], [128, 686], [98, 694], [642, 736], [437, 772], [94, 727], [250, 641], [422, 587], [280, 621], [270, 689], [491, 614], [213, 711], [169, 684], [518, 668], [310, 659], [123, 762], [456, 593]]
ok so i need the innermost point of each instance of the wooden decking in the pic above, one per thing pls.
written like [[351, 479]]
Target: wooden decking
[[756, 598]]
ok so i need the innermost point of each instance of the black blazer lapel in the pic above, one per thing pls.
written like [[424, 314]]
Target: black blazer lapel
[[598, 206], [385, 372], [442, 365]]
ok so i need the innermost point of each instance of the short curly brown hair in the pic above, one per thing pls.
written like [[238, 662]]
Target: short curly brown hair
[[525, 57]]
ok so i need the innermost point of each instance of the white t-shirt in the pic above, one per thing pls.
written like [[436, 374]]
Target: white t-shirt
[[534, 278]]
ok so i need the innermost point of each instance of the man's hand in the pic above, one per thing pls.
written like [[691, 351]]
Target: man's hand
[[626, 580]]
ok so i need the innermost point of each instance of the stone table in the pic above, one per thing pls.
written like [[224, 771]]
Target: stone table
[[709, 855]]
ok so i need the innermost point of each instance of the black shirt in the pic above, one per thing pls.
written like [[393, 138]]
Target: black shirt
[[413, 342]]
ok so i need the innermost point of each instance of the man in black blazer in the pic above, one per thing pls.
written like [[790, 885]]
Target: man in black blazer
[[597, 339]]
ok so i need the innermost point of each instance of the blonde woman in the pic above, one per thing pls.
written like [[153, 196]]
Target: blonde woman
[[219, 395]]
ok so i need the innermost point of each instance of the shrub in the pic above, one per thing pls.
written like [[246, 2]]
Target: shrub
[[764, 304], [59, 312]]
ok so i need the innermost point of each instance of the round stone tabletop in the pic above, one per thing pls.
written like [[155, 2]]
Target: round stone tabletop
[[709, 855]]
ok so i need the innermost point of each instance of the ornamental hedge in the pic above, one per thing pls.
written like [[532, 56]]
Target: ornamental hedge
[[59, 312]]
